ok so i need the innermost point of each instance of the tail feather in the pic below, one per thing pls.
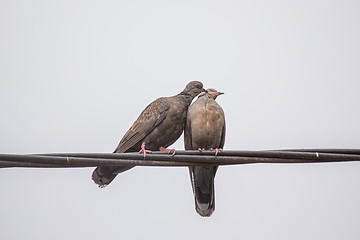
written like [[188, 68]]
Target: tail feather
[[202, 179], [103, 176]]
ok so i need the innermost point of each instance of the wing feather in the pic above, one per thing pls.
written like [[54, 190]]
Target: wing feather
[[222, 141], [149, 118], [187, 134]]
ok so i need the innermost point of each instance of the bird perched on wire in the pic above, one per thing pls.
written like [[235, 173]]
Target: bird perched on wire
[[204, 130], [159, 125]]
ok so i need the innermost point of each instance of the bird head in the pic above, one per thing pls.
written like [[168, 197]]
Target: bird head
[[211, 93], [193, 88]]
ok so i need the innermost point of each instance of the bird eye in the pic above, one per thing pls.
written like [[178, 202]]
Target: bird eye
[[199, 86]]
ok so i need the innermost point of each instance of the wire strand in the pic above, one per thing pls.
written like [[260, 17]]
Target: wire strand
[[182, 158]]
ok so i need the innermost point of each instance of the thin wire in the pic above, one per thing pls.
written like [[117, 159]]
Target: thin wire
[[182, 158]]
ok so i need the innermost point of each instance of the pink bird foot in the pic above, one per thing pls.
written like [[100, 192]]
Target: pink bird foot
[[217, 150], [201, 149], [143, 150], [169, 150]]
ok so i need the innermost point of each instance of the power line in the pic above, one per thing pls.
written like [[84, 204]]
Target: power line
[[182, 158]]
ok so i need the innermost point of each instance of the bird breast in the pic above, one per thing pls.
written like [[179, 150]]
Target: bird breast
[[207, 122]]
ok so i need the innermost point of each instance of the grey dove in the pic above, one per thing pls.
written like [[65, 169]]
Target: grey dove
[[159, 125], [205, 129]]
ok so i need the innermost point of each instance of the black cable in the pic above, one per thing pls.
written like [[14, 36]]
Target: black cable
[[182, 158]]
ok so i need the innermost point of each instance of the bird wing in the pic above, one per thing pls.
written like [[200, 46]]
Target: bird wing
[[222, 141], [187, 134], [149, 118]]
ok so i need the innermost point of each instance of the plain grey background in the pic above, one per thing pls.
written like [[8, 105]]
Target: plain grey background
[[74, 75]]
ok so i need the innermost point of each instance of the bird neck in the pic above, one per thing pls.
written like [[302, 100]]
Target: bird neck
[[186, 97], [185, 94]]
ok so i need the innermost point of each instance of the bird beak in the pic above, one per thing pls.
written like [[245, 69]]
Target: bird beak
[[220, 93], [204, 90]]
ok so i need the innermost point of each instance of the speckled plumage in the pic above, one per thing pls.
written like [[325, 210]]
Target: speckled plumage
[[205, 129], [160, 124]]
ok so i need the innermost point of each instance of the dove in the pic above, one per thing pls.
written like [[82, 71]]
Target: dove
[[204, 130], [159, 125]]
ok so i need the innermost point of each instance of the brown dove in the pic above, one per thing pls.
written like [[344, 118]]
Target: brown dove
[[205, 129], [159, 125]]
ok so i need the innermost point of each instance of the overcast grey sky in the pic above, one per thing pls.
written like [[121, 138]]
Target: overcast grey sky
[[74, 75]]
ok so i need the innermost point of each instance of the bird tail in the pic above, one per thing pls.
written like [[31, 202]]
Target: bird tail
[[103, 176], [202, 179]]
